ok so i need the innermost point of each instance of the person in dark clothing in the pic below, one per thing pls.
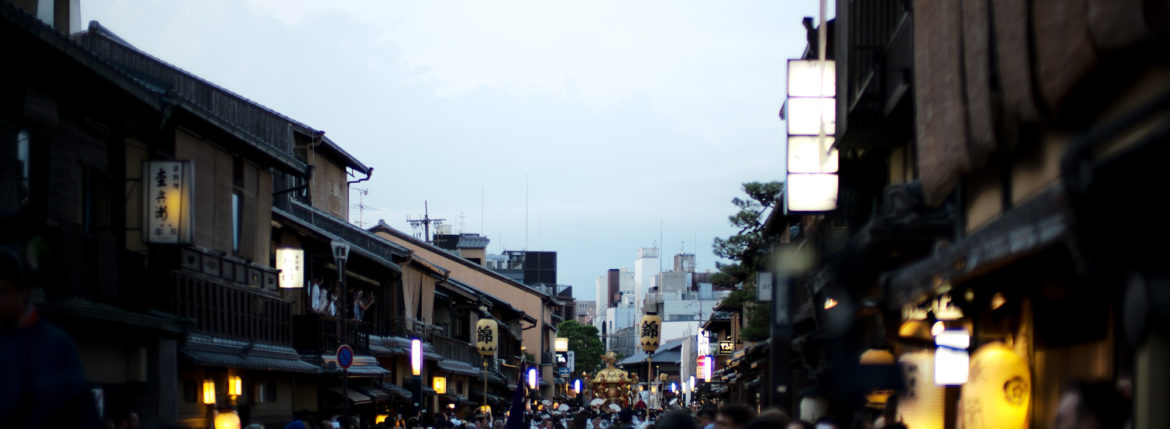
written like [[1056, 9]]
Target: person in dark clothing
[[733, 416], [1086, 404], [44, 385], [677, 419]]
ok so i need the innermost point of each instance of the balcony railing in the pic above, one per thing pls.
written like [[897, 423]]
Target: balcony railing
[[322, 334], [224, 309], [454, 349]]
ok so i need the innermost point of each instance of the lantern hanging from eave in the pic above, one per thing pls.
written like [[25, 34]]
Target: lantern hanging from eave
[[651, 324], [486, 336], [998, 393], [922, 404]]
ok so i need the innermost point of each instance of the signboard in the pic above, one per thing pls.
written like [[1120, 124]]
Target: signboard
[[726, 347], [572, 361], [290, 262], [563, 372], [811, 184], [763, 286], [344, 356], [704, 342], [166, 201]]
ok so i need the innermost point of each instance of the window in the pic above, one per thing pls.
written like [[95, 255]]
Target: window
[[22, 157], [265, 392], [237, 214]]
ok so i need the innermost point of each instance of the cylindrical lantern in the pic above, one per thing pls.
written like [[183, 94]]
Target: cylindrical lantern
[[235, 386], [416, 352], [998, 393], [651, 324], [208, 392], [227, 420], [486, 334], [440, 385], [922, 404], [532, 377]]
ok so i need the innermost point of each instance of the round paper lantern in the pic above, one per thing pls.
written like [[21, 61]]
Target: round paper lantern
[[998, 390], [922, 404], [486, 336], [651, 324]]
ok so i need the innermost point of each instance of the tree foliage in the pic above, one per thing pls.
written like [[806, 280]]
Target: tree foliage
[[585, 342], [744, 249]]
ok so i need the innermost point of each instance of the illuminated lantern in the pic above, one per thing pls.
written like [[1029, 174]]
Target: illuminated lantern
[[951, 362], [922, 404], [486, 335], [440, 385], [532, 377], [235, 386], [208, 392], [651, 325], [877, 398], [416, 352], [227, 420], [999, 392]]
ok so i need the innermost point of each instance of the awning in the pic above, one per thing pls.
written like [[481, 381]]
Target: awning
[[459, 368], [375, 393], [355, 397], [476, 396], [225, 353], [363, 366], [396, 390], [1031, 226]]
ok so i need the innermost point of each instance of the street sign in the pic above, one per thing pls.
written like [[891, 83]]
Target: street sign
[[564, 371], [344, 356]]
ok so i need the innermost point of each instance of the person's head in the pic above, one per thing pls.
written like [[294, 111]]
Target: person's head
[[826, 423], [626, 416], [14, 291], [732, 416], [799, 424], [499, 424], [770, 418], [1090, 405], [676, 419], [128, 419], [706, 415]]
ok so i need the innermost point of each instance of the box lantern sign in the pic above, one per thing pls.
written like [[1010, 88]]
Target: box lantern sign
[[726, 347], [290, 262], [811, 184], [651, 323], [166, 201], [704, 342]]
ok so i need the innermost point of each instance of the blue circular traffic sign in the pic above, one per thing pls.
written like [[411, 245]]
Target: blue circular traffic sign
[[344, 356]]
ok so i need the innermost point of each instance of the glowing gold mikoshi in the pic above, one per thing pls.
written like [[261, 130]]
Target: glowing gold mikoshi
[[922, 404], [651, 325], [998, 390], [486, 336], [612, 384]]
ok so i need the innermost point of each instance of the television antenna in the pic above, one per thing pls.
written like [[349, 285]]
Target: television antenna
[[361, 205], [425, 222]]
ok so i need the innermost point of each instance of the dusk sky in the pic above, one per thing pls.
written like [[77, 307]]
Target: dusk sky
[[597, 121]]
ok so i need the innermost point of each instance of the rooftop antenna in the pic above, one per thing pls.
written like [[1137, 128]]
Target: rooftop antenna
[[425, 222], [361, 205]]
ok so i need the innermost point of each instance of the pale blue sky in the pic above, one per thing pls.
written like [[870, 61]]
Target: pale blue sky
[[621, 114]]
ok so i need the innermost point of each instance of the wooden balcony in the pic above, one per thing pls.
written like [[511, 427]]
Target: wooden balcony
[[226, 309], [314, 333]]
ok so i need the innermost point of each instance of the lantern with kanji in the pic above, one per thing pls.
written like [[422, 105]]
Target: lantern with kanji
[[651, 325], [486, 333]]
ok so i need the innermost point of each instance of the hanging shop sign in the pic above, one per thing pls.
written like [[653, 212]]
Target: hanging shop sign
[[726, 347], [166, 202], [290, 262], [811, 184]]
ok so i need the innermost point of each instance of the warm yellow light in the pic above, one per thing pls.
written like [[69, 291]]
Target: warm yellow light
[[209, 392], [235, 386], [381, 418], [227, 420], [451, 406], [922, 404], [562, 344], [654, 389], [1000, 396], [998, 300], [486, 409], [830, 303], [440, 384], [938, 328]]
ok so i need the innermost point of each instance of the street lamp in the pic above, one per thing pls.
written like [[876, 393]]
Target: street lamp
[[651, 323], [486, 333], [416, 365], [532, 377]]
